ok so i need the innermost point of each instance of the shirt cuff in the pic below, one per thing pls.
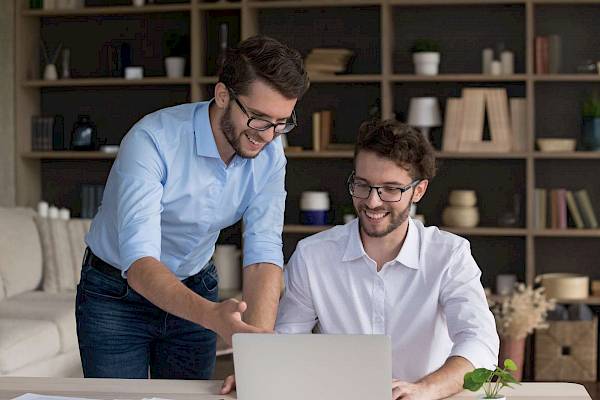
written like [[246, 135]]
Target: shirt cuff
[[262, 252], [478, 354]]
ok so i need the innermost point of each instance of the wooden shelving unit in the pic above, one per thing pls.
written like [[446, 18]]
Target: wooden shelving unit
[[384, 75]]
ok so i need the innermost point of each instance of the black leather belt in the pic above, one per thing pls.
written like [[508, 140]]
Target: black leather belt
[[97, 263]]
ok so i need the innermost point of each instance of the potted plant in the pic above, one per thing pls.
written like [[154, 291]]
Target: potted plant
[[176, 50], [517, 315], [591, 123], [492, 381], [426, 57]]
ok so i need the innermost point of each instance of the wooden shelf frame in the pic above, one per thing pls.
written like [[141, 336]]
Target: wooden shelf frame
[[28, 98]]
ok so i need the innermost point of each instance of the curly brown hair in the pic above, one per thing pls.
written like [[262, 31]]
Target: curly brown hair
[[399, 142], [262, 57]]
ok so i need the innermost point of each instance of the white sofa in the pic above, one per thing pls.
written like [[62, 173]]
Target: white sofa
[[39, 269]]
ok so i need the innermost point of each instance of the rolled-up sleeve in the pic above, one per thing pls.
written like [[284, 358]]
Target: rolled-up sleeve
[[140, 173], [471, 324], [263, 221], [296, 313]]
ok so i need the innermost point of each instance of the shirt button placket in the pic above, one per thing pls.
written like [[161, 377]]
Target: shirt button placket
[[379, 307]]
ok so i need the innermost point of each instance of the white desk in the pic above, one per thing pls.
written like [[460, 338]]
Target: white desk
[[110, 389]]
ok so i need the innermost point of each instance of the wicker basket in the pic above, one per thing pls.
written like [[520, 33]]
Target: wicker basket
[[566, 351]]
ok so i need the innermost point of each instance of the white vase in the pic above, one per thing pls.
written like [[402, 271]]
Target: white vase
[[50, 72], [460, 217], [175, 66], [426, 63], [482, 397]]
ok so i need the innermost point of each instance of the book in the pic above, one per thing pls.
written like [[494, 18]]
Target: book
[[326, 128], [497, 109], [574, 210], [452, 124], [587, 211], [518, 123], [316, 131], [541, 54], [554, 54], [561, 208]]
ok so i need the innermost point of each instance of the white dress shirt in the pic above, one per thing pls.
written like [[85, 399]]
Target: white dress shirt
[[429, 299]]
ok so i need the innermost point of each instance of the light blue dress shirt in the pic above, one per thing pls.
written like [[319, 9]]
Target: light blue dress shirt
[[169, 194]]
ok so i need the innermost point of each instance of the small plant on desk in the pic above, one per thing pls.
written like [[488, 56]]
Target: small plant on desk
[[491, 381]]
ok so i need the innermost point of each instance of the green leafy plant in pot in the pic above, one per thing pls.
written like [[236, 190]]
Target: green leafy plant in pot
[[591, 123], [492, 381], [426, 56]]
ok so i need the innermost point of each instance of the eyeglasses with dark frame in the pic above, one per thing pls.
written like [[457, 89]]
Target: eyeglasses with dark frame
[[261, 125], [387, 193]]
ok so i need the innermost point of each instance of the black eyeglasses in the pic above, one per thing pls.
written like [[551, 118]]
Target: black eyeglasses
[[387, 193], [262, 125]]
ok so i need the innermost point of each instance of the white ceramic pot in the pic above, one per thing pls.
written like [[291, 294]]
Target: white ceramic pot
[[482, 397], [229, 268], [175, 66], [314, 201], [426, 63], [462, 198], [460, 217]]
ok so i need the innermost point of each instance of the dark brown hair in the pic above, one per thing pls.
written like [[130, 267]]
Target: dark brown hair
[[262, 57], [399, 142]]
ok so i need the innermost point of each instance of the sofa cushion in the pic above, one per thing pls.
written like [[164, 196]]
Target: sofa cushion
[[63, 246], [20, 251], [58, 309], [24, 341]]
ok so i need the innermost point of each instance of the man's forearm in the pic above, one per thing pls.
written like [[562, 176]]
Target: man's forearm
[[153, 280], [262, 288], [447, 380]]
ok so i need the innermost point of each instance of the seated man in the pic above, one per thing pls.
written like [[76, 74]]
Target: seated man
[[385, 273]]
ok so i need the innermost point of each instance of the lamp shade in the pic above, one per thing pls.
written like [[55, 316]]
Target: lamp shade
[[424, 112]]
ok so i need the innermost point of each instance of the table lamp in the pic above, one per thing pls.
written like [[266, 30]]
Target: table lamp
[[424, 113]]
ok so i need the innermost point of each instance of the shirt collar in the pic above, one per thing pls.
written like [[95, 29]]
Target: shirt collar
[[205, 140], [408, 255]]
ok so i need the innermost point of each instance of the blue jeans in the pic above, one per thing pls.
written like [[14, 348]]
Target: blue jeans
[[123, 335]]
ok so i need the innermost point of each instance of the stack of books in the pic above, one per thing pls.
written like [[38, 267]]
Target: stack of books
[[465, 121], [47, 133], [327, 61], [562, 209]]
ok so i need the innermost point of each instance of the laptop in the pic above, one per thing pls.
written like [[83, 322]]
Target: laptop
[[312, 367]]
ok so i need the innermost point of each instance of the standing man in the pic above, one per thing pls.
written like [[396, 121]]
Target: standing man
[[147, 299]]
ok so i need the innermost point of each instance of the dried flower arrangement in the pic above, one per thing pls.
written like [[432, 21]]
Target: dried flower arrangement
[[518, 314]]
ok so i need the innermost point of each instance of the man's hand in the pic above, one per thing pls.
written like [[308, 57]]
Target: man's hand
[[228, 385], [409, 391], [226, 320]]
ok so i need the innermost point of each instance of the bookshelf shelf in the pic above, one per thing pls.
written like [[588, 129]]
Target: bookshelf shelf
[[574, 155], [113, 10], [305, 229], [312, 3], [571, 232], [567, 78], [459, 78], [67, 155], [591, 300], [481, 155], [482, 231], [107, 82], [319, 154]]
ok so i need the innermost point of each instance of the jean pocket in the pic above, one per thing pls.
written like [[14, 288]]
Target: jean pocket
[[210, 279], [96, 283]]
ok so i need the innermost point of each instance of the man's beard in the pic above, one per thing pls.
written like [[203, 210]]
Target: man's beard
[[235, 140], [396, 220]]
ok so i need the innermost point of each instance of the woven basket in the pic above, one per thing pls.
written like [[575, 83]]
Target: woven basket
[[566, 351]]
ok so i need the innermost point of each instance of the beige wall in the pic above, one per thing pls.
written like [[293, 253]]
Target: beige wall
[[7, 106]]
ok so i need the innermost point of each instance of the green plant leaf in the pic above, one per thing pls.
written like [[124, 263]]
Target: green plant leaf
[[482, 374], [470, 384], [510, 365], [506, 377]]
